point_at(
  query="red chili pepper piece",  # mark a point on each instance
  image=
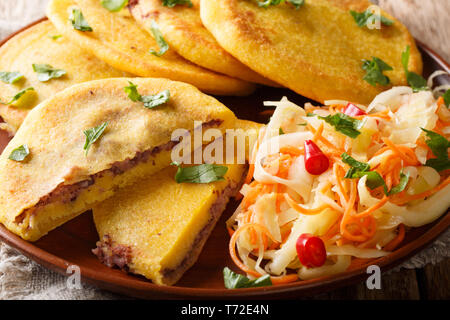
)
(353, 111)
(316, 162)
(311, 251)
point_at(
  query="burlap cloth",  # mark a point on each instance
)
(21, 278)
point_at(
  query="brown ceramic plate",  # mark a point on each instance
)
(71, 244)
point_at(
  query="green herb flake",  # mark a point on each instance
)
(404, 179)
(10, 77)
(163, 46)
(280, 131)
(446, 97)
(114, 5)
(55, 37)
(363, 19)
(354, 164)
(20, 153)
(265, 4)
(18, 95)
(204, 173)
(344, 124)
(92, 135)
(439, 146)
(79, 22)
(46, 72)
(173, 3)
(415, 81)
(150, 101)
(374, 71)
(359, 169)
(233, 280)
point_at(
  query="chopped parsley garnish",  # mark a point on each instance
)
(374, 71)
(93, 135)
(404, 179)
(266, 3)
(415, 81)
(173, 3)
(163, 46)
(364, 18)
(19, 153)
(46, 72)
(150, 101)
(114, 5)
(204, 173)
(10, 77)
(374, 179)
(446, 97)
(354, 164)
(79, 22)
(344, 124)
(439, 146)
(18, 95)
(233, 280)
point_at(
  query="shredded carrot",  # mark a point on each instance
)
(408, 198)
(397, 240)
(407, 154)
(293, 151)
(284, 279)
(232, 246)
(302, 209)
(372, 209)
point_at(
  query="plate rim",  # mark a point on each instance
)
(136, 287)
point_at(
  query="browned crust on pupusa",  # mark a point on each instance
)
(183, 30)
(316, 50)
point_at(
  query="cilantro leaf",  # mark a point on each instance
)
(364, 18)
(173, 3)
(18, 95)
(233, 280)
(354, 164)
(163, 46)
(439, 146)
(280, 131)
(92, 135)
(344, 124)
(79, 22)
(150, 101)
(415, 81)
(404, 179)
(204, 173)
(46, 72)
(360, 169)
(374, 71)
(265, 4)
(19, 153)
(446, 97)
(114, 5)
(10, 77)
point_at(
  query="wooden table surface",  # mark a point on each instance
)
(429, 22)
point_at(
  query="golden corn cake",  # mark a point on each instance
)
(118, 40)
(315, 50)
(183, 29)
(87, 141)
(157, 227)
(42, 44)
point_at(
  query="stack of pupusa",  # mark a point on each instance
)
(59, 178)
